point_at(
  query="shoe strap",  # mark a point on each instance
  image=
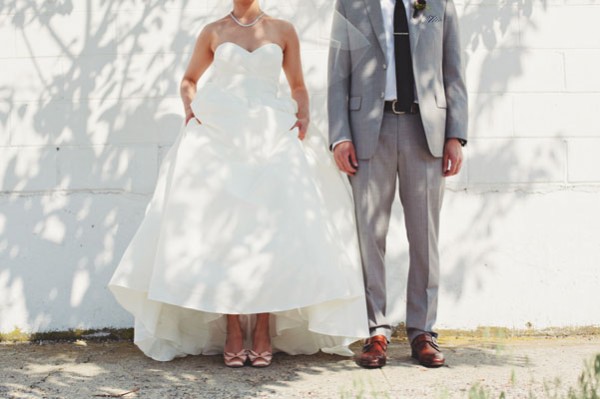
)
(372, 342)
(266, 355)
(229, 356)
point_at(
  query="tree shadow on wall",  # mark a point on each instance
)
(493, 35)
(85, 148)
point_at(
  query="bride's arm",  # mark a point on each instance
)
(292, 66)
(201, 59)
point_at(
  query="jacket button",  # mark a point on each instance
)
(384, 66)
(382, 95)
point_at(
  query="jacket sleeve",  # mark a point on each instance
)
(338, 78)
(453, 75)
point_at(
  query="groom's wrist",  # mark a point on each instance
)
(338, 142)
(462, 142)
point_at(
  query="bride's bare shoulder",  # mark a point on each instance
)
(211, 31)
(284, 29)
(215, 26)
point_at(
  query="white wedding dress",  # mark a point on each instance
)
(245, 219)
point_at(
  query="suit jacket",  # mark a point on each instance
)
(357, 74)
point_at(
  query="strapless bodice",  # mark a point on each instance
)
(245, 83)
(247, 72)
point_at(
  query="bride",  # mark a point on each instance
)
(248, 244)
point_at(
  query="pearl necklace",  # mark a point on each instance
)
(243, 25)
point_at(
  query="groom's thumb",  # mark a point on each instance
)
(353, 157)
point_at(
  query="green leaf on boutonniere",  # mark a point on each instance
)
(420, 5)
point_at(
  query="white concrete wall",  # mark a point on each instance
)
(89, 103)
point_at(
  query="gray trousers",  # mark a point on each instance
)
(402, 156)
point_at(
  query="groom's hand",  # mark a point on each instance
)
(345, 157)
(453, 157)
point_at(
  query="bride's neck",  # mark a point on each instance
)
(246, 10)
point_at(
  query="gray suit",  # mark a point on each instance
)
(402, 148)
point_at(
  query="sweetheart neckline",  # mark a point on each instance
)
(246, 50)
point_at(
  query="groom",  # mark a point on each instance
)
(397, 107)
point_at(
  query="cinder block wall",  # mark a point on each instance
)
(89, 104)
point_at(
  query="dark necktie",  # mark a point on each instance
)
(405, 80)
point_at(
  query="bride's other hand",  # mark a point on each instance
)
(292, 66)
(189, 116)
(201, 59)
(302, 125)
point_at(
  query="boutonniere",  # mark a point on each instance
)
(418, 6)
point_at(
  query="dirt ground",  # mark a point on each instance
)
(476, 368)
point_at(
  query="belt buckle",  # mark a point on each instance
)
(394, 108)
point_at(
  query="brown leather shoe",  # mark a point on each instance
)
(373, 352)
(426, 350)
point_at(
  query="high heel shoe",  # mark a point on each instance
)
(235, 359)
(260, 360)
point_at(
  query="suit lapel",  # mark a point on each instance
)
(374, 11)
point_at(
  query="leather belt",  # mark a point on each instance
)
(390, 106)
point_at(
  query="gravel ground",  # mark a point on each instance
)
(520, 368)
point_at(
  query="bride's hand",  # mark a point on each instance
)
(302, 125)
(189, 116)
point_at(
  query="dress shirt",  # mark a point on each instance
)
(387, 12)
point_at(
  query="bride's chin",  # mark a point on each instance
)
(244, 2)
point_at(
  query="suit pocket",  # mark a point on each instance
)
(354, 103)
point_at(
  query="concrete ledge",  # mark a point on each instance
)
(104, 334)
(120, 334)
(486, 333)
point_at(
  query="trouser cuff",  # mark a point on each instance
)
(382, 331)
